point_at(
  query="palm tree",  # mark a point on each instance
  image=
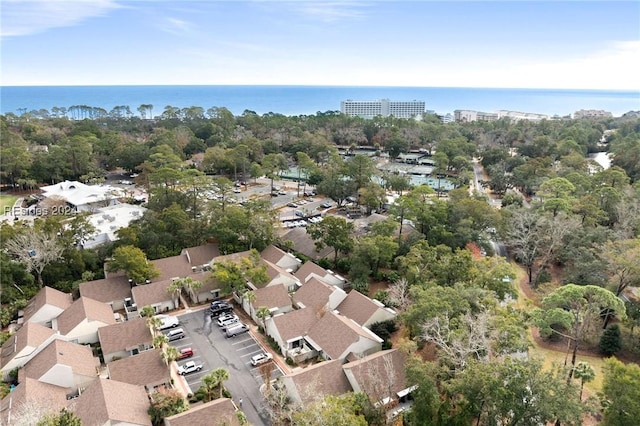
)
(212, 381)
(170, 354)
(160, 341)
(263, 312)
(209, 384)
(585, 373)
(192, 287)
(221, 375)
(249, 297)
(174, 289)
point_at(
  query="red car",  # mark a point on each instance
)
(185, 353)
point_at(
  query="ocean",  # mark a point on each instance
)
(307, 100)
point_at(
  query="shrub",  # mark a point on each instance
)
(361, 285)
(610, 341)
(325, 263)
(382, 296)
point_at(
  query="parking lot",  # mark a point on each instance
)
(214, 350)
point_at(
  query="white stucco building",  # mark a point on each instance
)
(383, 107)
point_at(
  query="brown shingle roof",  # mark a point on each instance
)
(49, 397)
(358, 307)
(107, 290)
(272, 254)
(303, 243)
(79, 357)
(320, 380)
(272, 297)
(144, 369)
(200, 255)
(171, 267)
(307, 270)
(274, 271)
(233, 257)
(296, 323)
(334, 333)
(121, 336)
(47, 296)
(379, 375)
(30, 334)
(81, 309)
(109, 400)
(150, 294)
(314, 294)
(221, 409)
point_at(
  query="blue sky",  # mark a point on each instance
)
(571, 45)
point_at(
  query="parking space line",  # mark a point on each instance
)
(252, 353)
(242, 341)
(248, 347)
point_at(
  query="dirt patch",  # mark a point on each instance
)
(376, 286)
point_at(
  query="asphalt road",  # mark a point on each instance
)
(214, 350)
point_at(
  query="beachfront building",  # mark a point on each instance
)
(467, 116)
(383, 107)
(517, 115)
(592, 113)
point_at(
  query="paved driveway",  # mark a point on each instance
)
(214, 350)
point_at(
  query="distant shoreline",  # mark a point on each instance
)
(308, 100)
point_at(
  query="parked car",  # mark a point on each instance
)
(226, 320)
(185, 353)
(261, 358)
(294, 205)
(299, 213)
(220, 309)
(189, 367)
(326, 205)
(167, 321)
(237, 329)
(175, 334)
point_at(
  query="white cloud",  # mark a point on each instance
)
(26, 17)
(176, 26)
(331, 11)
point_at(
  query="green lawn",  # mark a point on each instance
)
(6, 202)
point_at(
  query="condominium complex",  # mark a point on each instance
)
(592, 113)
(465, 115)
(382, 107)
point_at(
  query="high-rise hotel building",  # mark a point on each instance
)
(383, 107)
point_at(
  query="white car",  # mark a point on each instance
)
(261, 358)
(167, 321)
(225, 320)
(189, 367)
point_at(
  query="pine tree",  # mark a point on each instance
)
(610, 342)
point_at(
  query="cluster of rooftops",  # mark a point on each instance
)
(312, 317)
